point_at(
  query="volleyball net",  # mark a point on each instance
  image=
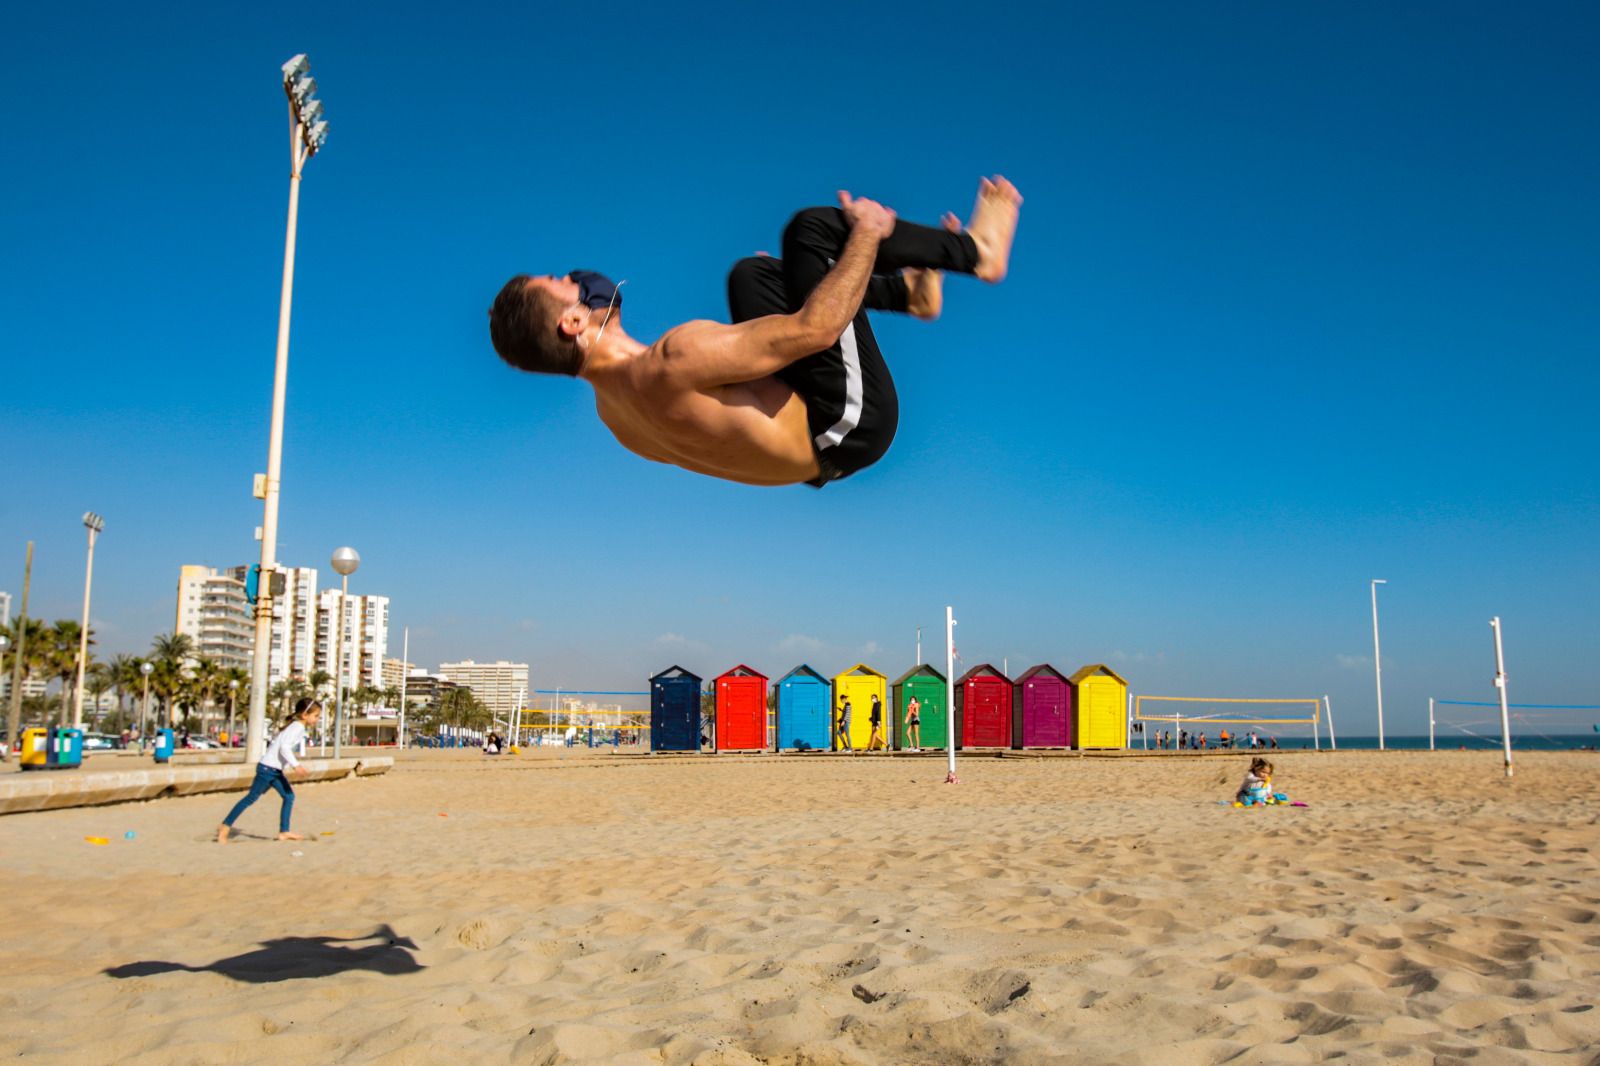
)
(1476, 723)
(1289, 717)
(585, 718)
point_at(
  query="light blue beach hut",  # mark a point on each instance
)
(804, 699)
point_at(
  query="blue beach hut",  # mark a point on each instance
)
(675, 711)
(804, 700)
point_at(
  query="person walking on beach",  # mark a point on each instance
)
(844, 725)
(876, 741)
(914, 725)
(272, 772)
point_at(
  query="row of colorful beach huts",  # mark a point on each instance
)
(1042, 708)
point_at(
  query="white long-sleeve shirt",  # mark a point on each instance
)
(290, 739)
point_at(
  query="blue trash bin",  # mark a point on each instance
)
(64, 750)
(164, 744)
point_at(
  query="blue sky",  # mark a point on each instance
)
(1301, 297)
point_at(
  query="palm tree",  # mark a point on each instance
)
(206, 680)
(167, 681)
(32, 636)
(97, 680)
(121, 672)
(175, 646)
(319, 683)
(280, 694)
(63, 639)
(170, 652)
(235, 679)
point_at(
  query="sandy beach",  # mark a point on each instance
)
(822, 909)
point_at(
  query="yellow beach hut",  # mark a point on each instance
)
(1101, 704)
(860, 683)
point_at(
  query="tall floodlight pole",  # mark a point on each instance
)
(1500, 683)
(94, 524)
(1377, 658)
(919, 645)
(307, 133)
(14, 712)
(405, 670)
(950, 693)
(344, 563)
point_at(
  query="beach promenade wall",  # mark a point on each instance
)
(54, 789)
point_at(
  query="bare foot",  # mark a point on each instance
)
(222, 834)
(993, 225)
(925, 288)
(290, 836)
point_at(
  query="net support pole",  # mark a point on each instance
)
(1500, 683)
(1316, 734)
(950, 692)
(1327, 707)
(1430, 723)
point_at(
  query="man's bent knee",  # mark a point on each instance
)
(814, 220)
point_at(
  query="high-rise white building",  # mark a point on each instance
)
(497, 684)
(365, 636)
(294, 624)
(213, 612)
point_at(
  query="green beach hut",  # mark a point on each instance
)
(928, 686)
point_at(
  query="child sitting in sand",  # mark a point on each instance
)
(1257, 787)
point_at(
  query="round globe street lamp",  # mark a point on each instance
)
(94, 524)
(146, 668)
(344, 562)
(308, 131)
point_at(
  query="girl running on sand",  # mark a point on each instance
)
(272, 772)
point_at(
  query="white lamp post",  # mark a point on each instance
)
(5, 642)
(1377, 659)
(94, 524)
(344, 563)
(233, 697)
(307, 133)
(950, 693)
(145, 668)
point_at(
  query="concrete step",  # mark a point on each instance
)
(44, 790)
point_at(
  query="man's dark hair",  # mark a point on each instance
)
(523, 327)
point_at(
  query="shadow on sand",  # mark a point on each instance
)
(293, 957)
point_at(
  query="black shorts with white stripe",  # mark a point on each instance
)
(851, 405)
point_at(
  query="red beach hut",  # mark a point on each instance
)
(742, 710)
(983, 707)
(1041, 709)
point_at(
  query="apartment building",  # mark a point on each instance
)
(365, 636)
(214, 614)
(497, 684)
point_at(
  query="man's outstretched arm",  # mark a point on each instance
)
(727, 355)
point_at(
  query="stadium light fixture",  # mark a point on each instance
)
(94, 524)
(308, 130)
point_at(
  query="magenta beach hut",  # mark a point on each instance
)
(1041, 709)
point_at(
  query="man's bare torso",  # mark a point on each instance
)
(753, 432)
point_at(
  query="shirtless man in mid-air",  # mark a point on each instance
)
(796, 389)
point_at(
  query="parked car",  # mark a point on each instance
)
(101, 742)
(202, 743)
